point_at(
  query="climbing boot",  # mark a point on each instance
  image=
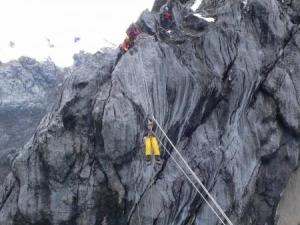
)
(148, 160)
(157, 159)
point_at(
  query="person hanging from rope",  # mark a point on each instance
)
(150, 142)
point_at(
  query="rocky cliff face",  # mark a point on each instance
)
(27, 88)
(227, 93)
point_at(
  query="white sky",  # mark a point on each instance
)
(28, 23)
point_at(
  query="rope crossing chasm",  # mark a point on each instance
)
(194, 174)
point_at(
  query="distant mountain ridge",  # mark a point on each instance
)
(27, 90)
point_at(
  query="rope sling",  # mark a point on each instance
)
(196, 178)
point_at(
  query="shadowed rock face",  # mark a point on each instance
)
(227, 95)
(26, 90)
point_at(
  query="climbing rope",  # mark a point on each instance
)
(138, 207)
(193, 173)
(182, 158)
(149, 105)
(151, 193)
(190, 180)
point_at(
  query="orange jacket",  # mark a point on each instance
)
(126, 44)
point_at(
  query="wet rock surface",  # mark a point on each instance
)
(27, 89)
(227, 93)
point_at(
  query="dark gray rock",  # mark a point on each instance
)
(227, 95)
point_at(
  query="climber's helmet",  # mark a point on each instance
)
(149, 124)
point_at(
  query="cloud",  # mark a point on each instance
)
(28, 22)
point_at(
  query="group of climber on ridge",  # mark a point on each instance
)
(131, 34)
(133, 30)
(150, 140)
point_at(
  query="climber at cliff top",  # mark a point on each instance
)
(150, 142)
(131, 34)
(166, 17)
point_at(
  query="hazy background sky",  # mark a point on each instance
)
(30, 23)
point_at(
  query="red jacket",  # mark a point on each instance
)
(167, 15)
(133, 31)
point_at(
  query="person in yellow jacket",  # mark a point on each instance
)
(150, 142)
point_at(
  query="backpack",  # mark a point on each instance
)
(167, 15)
(132, 31)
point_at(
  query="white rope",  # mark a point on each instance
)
(138, 206)
(189, 179)
(151, 193)
(149, 106)
(193, 173)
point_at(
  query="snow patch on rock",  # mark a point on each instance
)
(196, 5)
(208, 19)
